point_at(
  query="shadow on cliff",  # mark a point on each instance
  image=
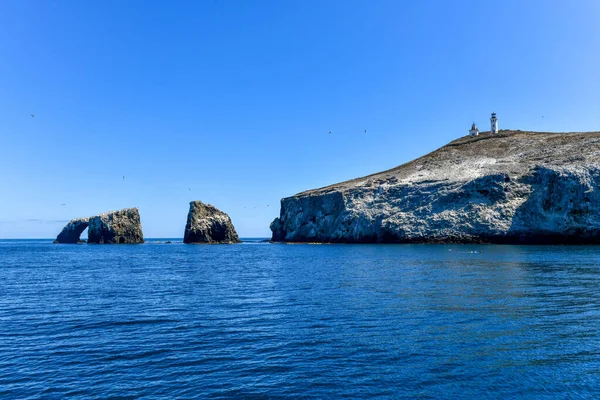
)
(71, 233)
(562, 208)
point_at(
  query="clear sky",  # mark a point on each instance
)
(231, 102)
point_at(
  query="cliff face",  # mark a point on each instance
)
(207, 224)
(122, 226)
(513, 187)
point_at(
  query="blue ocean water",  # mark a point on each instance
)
(260, 320)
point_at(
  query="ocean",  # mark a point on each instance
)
(259, 320)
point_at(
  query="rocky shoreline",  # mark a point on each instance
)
(205, 224)
(511, 187)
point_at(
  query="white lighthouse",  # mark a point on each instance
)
(494, 122)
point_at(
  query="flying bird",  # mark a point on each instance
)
(123, 177)
(330, 132)
(63, 204)
(32, 115)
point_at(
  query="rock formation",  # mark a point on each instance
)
(207, 224)
(122, 226)
(72, 231)
(512, 187)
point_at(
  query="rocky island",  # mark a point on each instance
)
(207, 224)
(122, 226)
(506, 187)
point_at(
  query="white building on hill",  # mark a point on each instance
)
(473, 131)
(494, 126)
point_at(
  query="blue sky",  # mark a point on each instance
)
(231, 102)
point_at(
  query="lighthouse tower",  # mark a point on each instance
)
(494, 122)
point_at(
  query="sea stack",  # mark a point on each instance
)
(115, 227)
(506, 187)
(207, 224)
(122, 226)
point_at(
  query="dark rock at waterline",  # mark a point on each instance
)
(207, 224)
(72, 231)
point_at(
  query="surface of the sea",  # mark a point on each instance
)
(260, 320)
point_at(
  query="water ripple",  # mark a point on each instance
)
(269, 321)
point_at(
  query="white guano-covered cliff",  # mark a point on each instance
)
(513, 187)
